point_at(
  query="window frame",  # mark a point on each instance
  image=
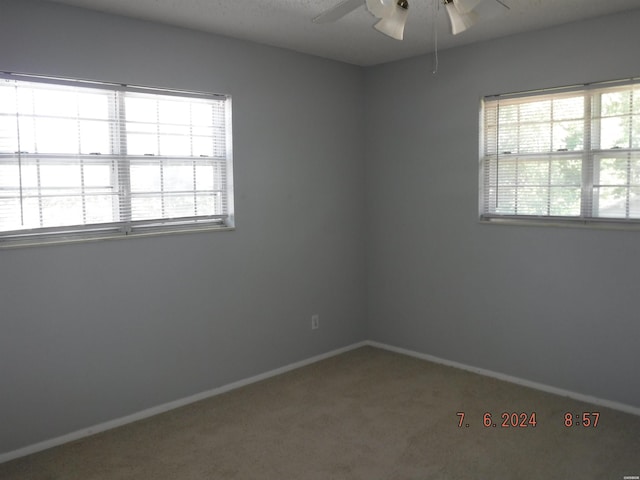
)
(121, 162)
(591, 152)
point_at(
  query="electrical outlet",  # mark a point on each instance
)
(315, 322)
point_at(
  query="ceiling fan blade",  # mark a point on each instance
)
(490, 9)
(339, 11)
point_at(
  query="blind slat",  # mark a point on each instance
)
(73, 156)
(570, 154)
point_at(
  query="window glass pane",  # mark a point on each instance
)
(49, 120)
(539, 111)
(612, 202)
(31, 212)
(617, 184)
(141, 109)
(201, 114)
(26, 140)
(508, 139)
(174, 112)
(533, 172)
(524, 174)
(533, 200)
(9, 174)
(204, 177)
(566, 172)
(202, 147)
(61, 210)
(9, 211)
(176, 128)
(94, 137)
(93, 105)
(568, 135)
(146, 177)
(219, 177)
(173, 129)
(540, 186)
(70, 171)
(535, 137)
(174, 145)
(505, 200)
(146, 207)
(634, 202)
(100, 209)
(614, 132)
(634, 170)
(54, 102)
(616, 103)
(613, 171)
(8, 134)
(571, 108)
(635, 141)
(30, 173)
(543, 126)
(25, 99)
(208, 204)
(142, 144)
(178, 177)
(204, 132)
(508, 114)
(8, 97)
(179, 206)
(60, 176)
(134, 128)
(56, 135)
(565, 201)
(97, 175)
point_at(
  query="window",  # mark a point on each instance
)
(570, 154)
(80, 159)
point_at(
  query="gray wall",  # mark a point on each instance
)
(97, 331)
(93, 332)
(552, 305)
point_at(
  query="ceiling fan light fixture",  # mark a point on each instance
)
(466, 6)
(459, 21)
(393, 24)
(380, 8)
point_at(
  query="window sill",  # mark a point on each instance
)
(609, 224)
(40, 242)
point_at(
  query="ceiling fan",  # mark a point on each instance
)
(393, 14)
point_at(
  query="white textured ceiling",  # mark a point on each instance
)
(287, 23)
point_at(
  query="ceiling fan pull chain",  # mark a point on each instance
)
(436, 7)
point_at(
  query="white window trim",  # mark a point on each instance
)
(586, 219)
(125, 227)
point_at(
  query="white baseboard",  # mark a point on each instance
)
(54, 442)
(85, 432)
(508, 378)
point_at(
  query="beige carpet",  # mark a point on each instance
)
(368, 414)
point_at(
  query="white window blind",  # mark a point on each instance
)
(571, 154)
(80, 159)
